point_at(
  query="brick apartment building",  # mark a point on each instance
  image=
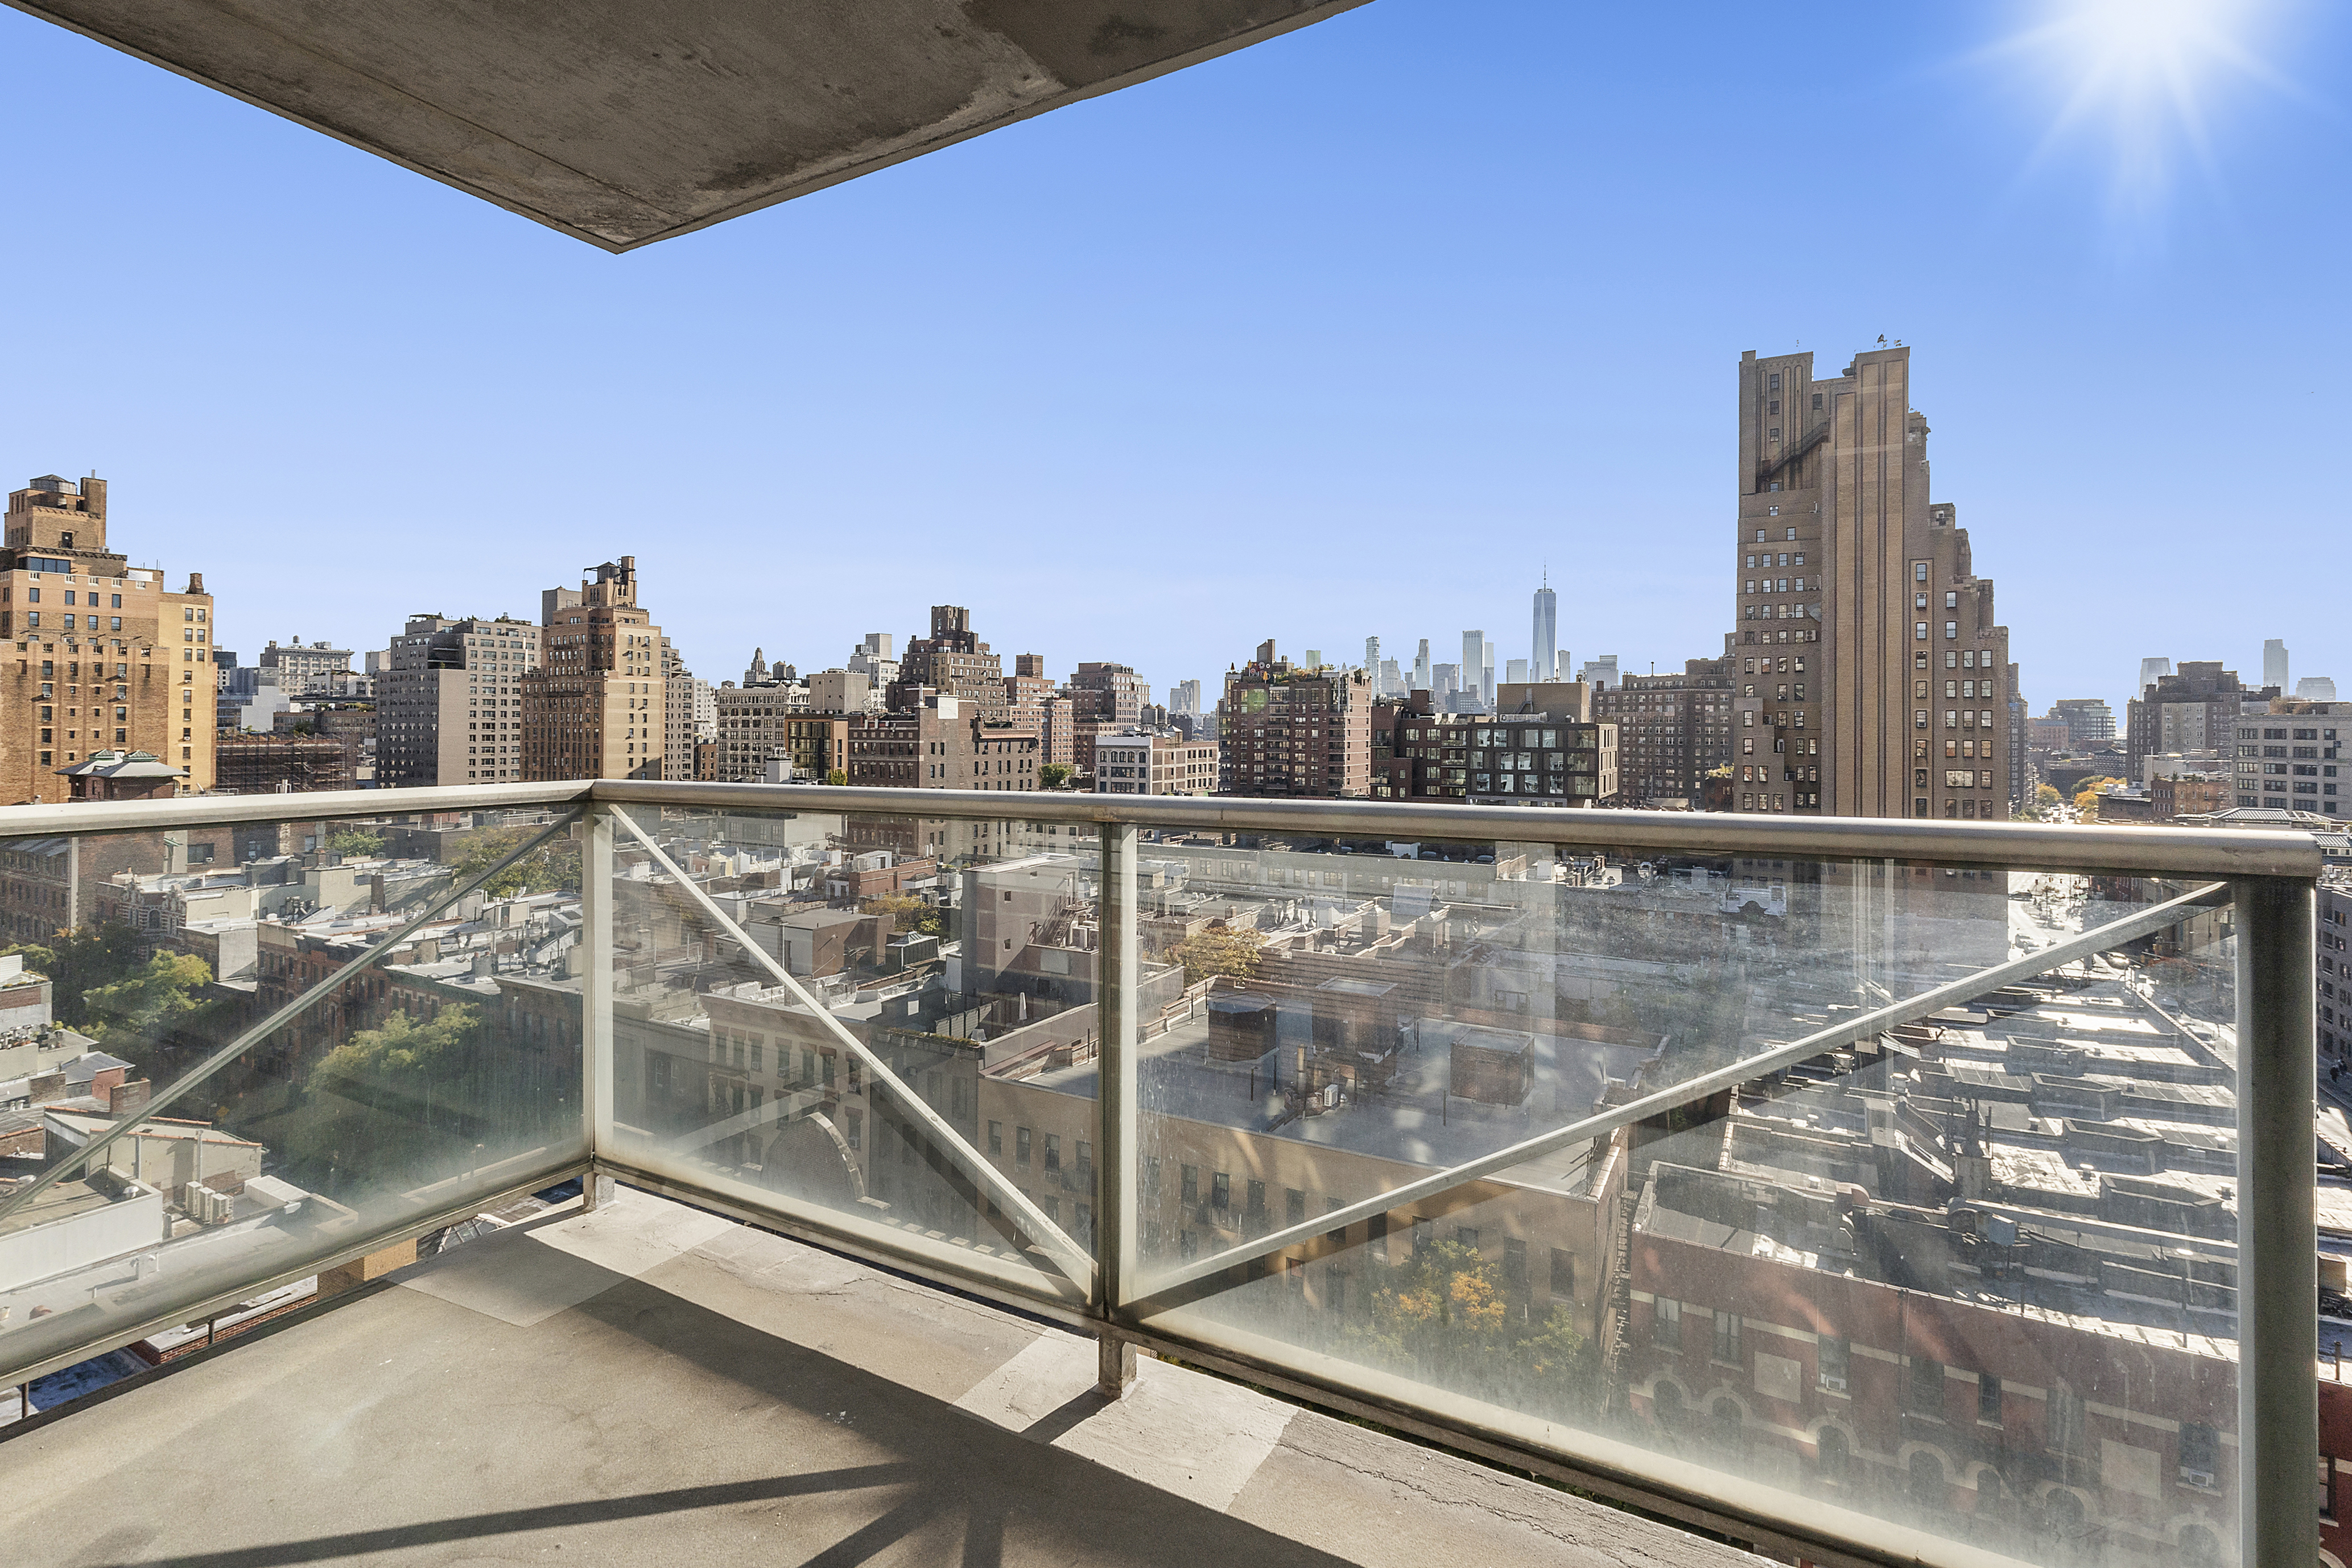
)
(2296, 759)
(597, 706)
(2192, 710)
(305, 668)
(1286, 729)
(1144, 763)
(951, 661)
(942, 744)
(1109, 692)
(1875, 678)
(96, 667)
(1509, 758)
(1672, 729)
(449, 701)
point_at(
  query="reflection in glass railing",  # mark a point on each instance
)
(220, 1070)
(1892, 1200)
(822, 1013)
(1967, 1275)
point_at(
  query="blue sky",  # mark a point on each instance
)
(1348, 334)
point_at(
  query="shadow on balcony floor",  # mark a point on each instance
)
(651, 1383)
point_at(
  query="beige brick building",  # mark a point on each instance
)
(449, 705)
(597, 706)
(1874, 678)
(104, 659)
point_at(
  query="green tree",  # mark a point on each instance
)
(553, 867)
(355, 843)
(1446, 1316)
(1216, 949)
(904, 911)
(389, 1095)
(2046, 795)
(149, 1005)
(80, 962)
(2087, 795)
(838, 776)
(1053, 776)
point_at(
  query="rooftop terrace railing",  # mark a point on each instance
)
(1871, 1190)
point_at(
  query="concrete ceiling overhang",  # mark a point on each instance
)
(626, 121)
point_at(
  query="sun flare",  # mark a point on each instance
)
(2145, 79)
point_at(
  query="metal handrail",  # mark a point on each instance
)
(2184, 852)
(2128, 850)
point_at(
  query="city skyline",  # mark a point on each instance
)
(543, 388)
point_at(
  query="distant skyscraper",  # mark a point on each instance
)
(2316, 689)
(2089, 721)
(1561, 665)
(1547, 639)
(1474, 661)
(1601, 672)
(1314, 658)
(1444, 680)
(2274, 664)
(1373, 658)
(1516, 672)
(2151, 671)
(1421, 667)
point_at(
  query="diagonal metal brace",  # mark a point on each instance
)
(2155, 917)
(1074, 1260)
(245, 1042)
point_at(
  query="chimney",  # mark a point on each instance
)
(125, 1098)
(196, 582)
(49, 1086)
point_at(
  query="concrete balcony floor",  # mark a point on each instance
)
(650, 1383)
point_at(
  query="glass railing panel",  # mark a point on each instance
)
(894, 1040)
(1961, 1288)
(138, 996)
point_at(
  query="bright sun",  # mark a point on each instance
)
(2145, 78)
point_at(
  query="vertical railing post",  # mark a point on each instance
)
(596, 997)
(1115, 1208)
(2278, 1270)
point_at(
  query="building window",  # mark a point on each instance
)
(1924, 1390)
(2199, 1453)
(1727, 1338)
(1666, 1323)
(1829, 1362)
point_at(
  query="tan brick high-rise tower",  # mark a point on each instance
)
(101, 657)
(596, 707)
(1872, 677)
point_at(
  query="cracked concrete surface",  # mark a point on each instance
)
(650, 1383)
